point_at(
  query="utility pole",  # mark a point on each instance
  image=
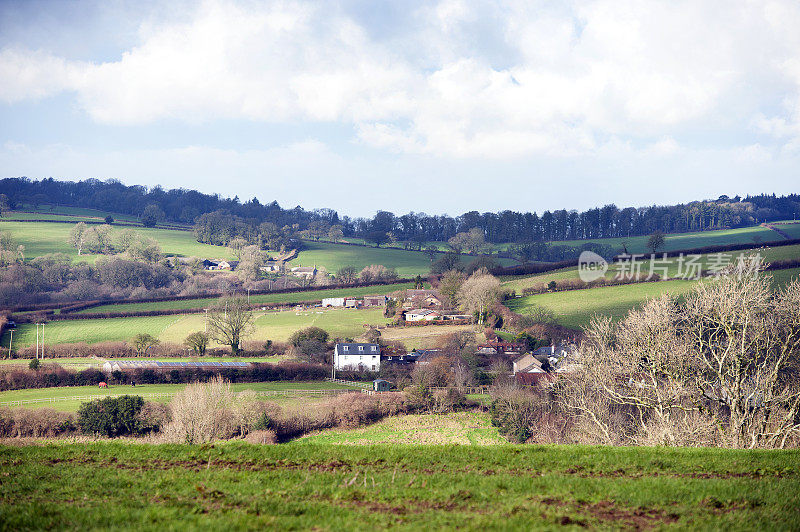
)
(248, 296)
(37, 341)
(10, 339)
(206, 319)
(42, 341)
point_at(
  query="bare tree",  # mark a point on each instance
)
(478, 293)
(230, 321)
(720, 368)
(77, 236)
(746, 343)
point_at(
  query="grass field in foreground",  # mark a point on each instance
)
(259, 299)
(462, 428)
(78, 391)
(40, 238)
(333, 487)
(269, 325)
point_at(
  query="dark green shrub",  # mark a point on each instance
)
(34, 364)
(112, 416)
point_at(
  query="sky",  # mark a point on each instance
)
(435, 107)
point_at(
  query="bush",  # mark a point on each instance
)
(35, 422)
(202, 412)
(34, 364)
(262, 437)
(112, 416)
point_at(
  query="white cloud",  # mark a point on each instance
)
(574, 78)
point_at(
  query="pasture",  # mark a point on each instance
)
(334, 256)
(123, 485)
(256, 299)
(670, 268)
(460, 428)
(41, 238)
(676, 241)
(61, 212)
(270, 325)
(575, 308)
(60, 396)
(425, 337)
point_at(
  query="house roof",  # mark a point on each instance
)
(310, 269)
(414, 292)
(352, 348)
(423, 312)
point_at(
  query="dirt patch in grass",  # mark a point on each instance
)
(608, 512)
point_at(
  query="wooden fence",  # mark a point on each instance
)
(350, 383)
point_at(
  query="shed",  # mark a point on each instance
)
(380, 385)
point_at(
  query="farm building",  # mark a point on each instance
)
(495, 348)
(130, 365)
(351, 302)
(333, 302)
(422, 315)
(425, 356)
(217, 264)
(528, 364)
(304, 271)
(375, 301)
(380, 385)
(424, 299)
(355, 356)
(399, 358)
(271, 266)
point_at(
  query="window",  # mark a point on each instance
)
(373, 367)
(374, 348)
(361, 348)
(346, 348)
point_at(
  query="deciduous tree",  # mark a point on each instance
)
(230, 321)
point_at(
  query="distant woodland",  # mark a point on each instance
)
(226, 218)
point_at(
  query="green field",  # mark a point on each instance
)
(88, 361)
(126, 486)
(462, 428)
(40, 238)
(259, 299)
(269, 325)
(334, 256)
(674, 269)
(60, 212)
(143, 390)
(675, 241)
(575, 308)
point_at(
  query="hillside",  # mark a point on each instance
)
(175, 328)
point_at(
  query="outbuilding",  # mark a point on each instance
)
(380, 385)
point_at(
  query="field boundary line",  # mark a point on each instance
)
(160, 395)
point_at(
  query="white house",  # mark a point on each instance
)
(304, 271)
(333, 302)
(424, 314)
(358, 357)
